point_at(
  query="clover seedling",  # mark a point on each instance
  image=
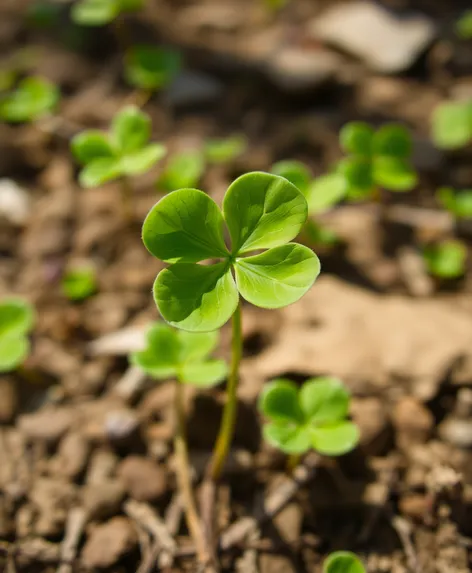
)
(34, 98)
(446, 260)
(459, 203)
(312, 417)
(183, 169)
(452, 124)
(220, 151)
(263, 212)
(101, 12)
(172, 353)
(150, 67)
(16, 321)
(464, 26)
(343, 562)
(376, 159)
(122, 152)
(79, 283)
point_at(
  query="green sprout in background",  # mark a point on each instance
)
(262, 212)
(458, 203)
(34, 98)
(122, 152)
(376, 159)
(310, 417)
(183, 170)
(225, 150)
(80, 282)
(452, 124)
(464, 26)
(447, 259)
(343, 562)
(16, 321)
(101, 12)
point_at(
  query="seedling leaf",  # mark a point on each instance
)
(324, 400)
(151, 67)
(225, 150)
(94, 12)
(325, 191)
(359, 177)
(34, 97)
(161, 357)
(195, 346)
(79, 283)
(278, 277)
(140, 161)
(334, 440)
(295, 171)
(100, 171)
(452, 124)
(204, 374)
(278, 401)
(343, 562)
(289, 438)
(263, 211)
(130, 129)
(458, 203)
(393, 140)
(394, 174)
(183, 170)
(356, 137)
(447, 259)
(464, 25)
(16, 317)
(185, 226)
(13, 351)
(90, 145)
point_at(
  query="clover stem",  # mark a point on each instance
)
(184, 480)
(292, 462)
(127, 198)
(228, 421)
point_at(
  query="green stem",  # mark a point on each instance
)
(127, 199)
(292, 462)
(228, 421)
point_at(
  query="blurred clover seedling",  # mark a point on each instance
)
(262, 212)
(464, 26)
(312, 417)
(101, 12)
(447, 259)
(343, 562)
(452, 124)
(183, 170)
(151, 68)
(172, 353)
(376, 159)
(458, 203)
(78, 283)
(34, 98)
(122, 152)
(225, 150)
(16, 321)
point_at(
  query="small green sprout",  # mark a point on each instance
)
(183, 170)
(101, 12)
(376, 159)
(343, 562)
(16, 321)
(452, 124)
(34, 98)
(447, 259)
(459, 203)
(151, 67)
(225, 150)
(172, 353)
(464, 26)
(123, 152)
(78, 283)
(312, 417)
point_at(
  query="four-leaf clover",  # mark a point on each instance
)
(16, 320)
(124, 151)
(313, 417)
(183, 355)
(262, 211)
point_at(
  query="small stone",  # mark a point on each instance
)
(383, 41)
(371, 417)
(412, 421)
(72, 455)
(457, 431)
(121, 424)
(8, 401)
(103, 500)
(144, 479)
(193, 89)
(14, 202)
(414, 505)
(48, 425)
(108, 543)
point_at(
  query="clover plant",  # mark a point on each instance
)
(101, 12)
(447, 259)
(263, 212)
(225, 150)
(151, 67)
(122, 152)
(452, 124)
(376, 159)
(79, 282)
(34, 98)
(459, 203)
(312, 417)
(464, 26)
(343, 562)
(16, 321)
(183, 169)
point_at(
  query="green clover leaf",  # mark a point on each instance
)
(79, 282)
(452, 124)
(151, 67)
(261, 211)
(183, 170)
(464, 25)
(123, 151)
(311, 417)
(343, 562)
(356, 138)
(33, 98)
(183, 355)
(447, 259)
(16, 320)
(459, 203)
(101, 12)
(225, 150)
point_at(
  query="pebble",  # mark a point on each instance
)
(15, 203)
(412, 421)
(108, 542)
(144, 479)
(457, 431)
(385, 42)
(48, 425)
(72, 455)
(371, 417)
(103, 500)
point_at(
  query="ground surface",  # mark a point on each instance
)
(86, 472)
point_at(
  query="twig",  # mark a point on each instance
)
(174, 514)
(403, 529)
(76, 521)
(130, 383)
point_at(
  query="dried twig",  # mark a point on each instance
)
(76, 521)
(403, 529)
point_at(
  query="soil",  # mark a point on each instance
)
(87, 470)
